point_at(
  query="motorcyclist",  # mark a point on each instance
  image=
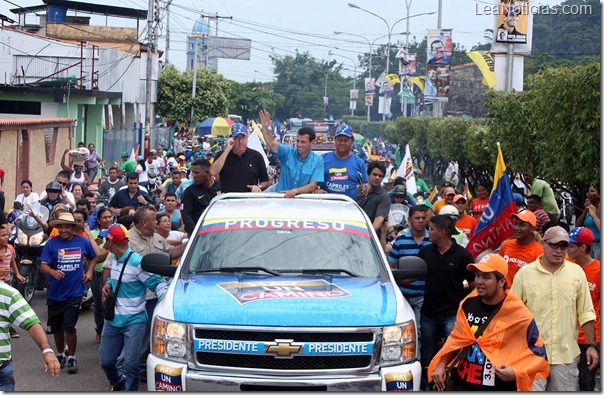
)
(53, 195)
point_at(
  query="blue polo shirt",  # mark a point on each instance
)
(296, 172)
(405, 245)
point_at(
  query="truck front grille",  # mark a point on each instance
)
(295, 363)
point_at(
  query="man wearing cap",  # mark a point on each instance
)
(110, 185)
(522, 248)
(419, 182)
(194, 153)
(239, 168)
(465, 222)
(182, 162)
(62, 260)
(448, 195)
(126, 330)
(129, 164)
(581, 239)
(495, 342)
(447, 269)
(557, 293)
(343, 171)
(301, 169)
(130, 196)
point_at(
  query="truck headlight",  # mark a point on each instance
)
(169, 339)
(398, 344)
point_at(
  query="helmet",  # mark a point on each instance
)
(53, 186)
(399, 190)
(449, 210)
(14, 215)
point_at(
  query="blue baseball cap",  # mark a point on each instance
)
(238, 129)
(344, 130)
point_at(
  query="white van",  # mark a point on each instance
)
(283, 294)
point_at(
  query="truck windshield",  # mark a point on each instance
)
(291, 251)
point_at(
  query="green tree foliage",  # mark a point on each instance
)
(301, 81)
(248, 99)
(174, 97)
(563, 40)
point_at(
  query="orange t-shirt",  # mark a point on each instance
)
(438, 205)
(478, 206)
(592, 272)
(467, 224)
(517, 256)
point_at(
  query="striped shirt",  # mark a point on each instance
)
(13, 309)
(405, 245)
(130, 305)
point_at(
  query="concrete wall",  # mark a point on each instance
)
(40, 172)
(467, 94)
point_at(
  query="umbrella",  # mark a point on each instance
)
(215, 126)
(359, 139)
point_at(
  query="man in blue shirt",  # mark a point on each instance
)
(409, 243)
(130, 196)
(63, 262)
(301, 169)
(343, 171)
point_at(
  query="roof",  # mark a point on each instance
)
(274, 206)
(34, 121)
(98, 9)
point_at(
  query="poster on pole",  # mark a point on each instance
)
(437, 83)
(354, 94)
(440, 46)
(408, 65)
(369, 99)
(512, 22)
(369, 86)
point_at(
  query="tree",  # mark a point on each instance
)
(248, 99)
(174, 99)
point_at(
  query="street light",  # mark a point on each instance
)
(354, 81)
(351, 5)
(270, 78)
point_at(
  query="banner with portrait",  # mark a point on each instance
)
(440, 46)
(408, 65)
(437, 83)
(369, 86)
(354, 94)
(369, 99)
(512, 22)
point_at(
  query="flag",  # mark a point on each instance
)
(406, 170)
(433, 195)
(495, 224)
(254, 143)
(484, 61)
(258, 131)
(466, 190)
(419, 81)
(393, 79)
(397, 156)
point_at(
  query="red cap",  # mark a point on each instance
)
(117, 233)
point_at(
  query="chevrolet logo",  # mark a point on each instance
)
(283, 348)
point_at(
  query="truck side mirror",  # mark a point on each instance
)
(158, 263)
(410, 267)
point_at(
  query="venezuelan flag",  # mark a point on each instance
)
(495, 224)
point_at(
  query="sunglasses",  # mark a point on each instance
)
(62, 183)
(562, 246)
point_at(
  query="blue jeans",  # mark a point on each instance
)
(113, 339)
(433, 329)
(5, 384)
(95, 285)
(416, 303)
(146, 348)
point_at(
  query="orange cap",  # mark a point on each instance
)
(490, 263)
(526, 216)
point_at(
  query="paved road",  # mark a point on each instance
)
(29, 373)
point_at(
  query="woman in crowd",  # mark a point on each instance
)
(28, 197)
(480, 201)
(590, 218)
(92, 162)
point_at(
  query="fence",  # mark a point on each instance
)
(117, 141)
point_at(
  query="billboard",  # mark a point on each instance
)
(440, 46)
(512, 22)
(229, 48)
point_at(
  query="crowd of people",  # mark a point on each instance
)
(525, 316)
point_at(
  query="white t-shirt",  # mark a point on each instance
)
(142, 174)
(27, 201)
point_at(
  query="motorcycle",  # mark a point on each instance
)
(29, 242)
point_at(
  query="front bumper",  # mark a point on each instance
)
(164, 375)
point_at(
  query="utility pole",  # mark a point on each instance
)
(438, 105)
(217, 18)
(168, 31)
(148, 82)
(195, 65)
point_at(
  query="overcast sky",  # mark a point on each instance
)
(282, 26)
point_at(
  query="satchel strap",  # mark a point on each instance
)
(119, 281)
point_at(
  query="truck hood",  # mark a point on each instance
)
(301, 301)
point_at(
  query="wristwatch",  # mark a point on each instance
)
(594, 345)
